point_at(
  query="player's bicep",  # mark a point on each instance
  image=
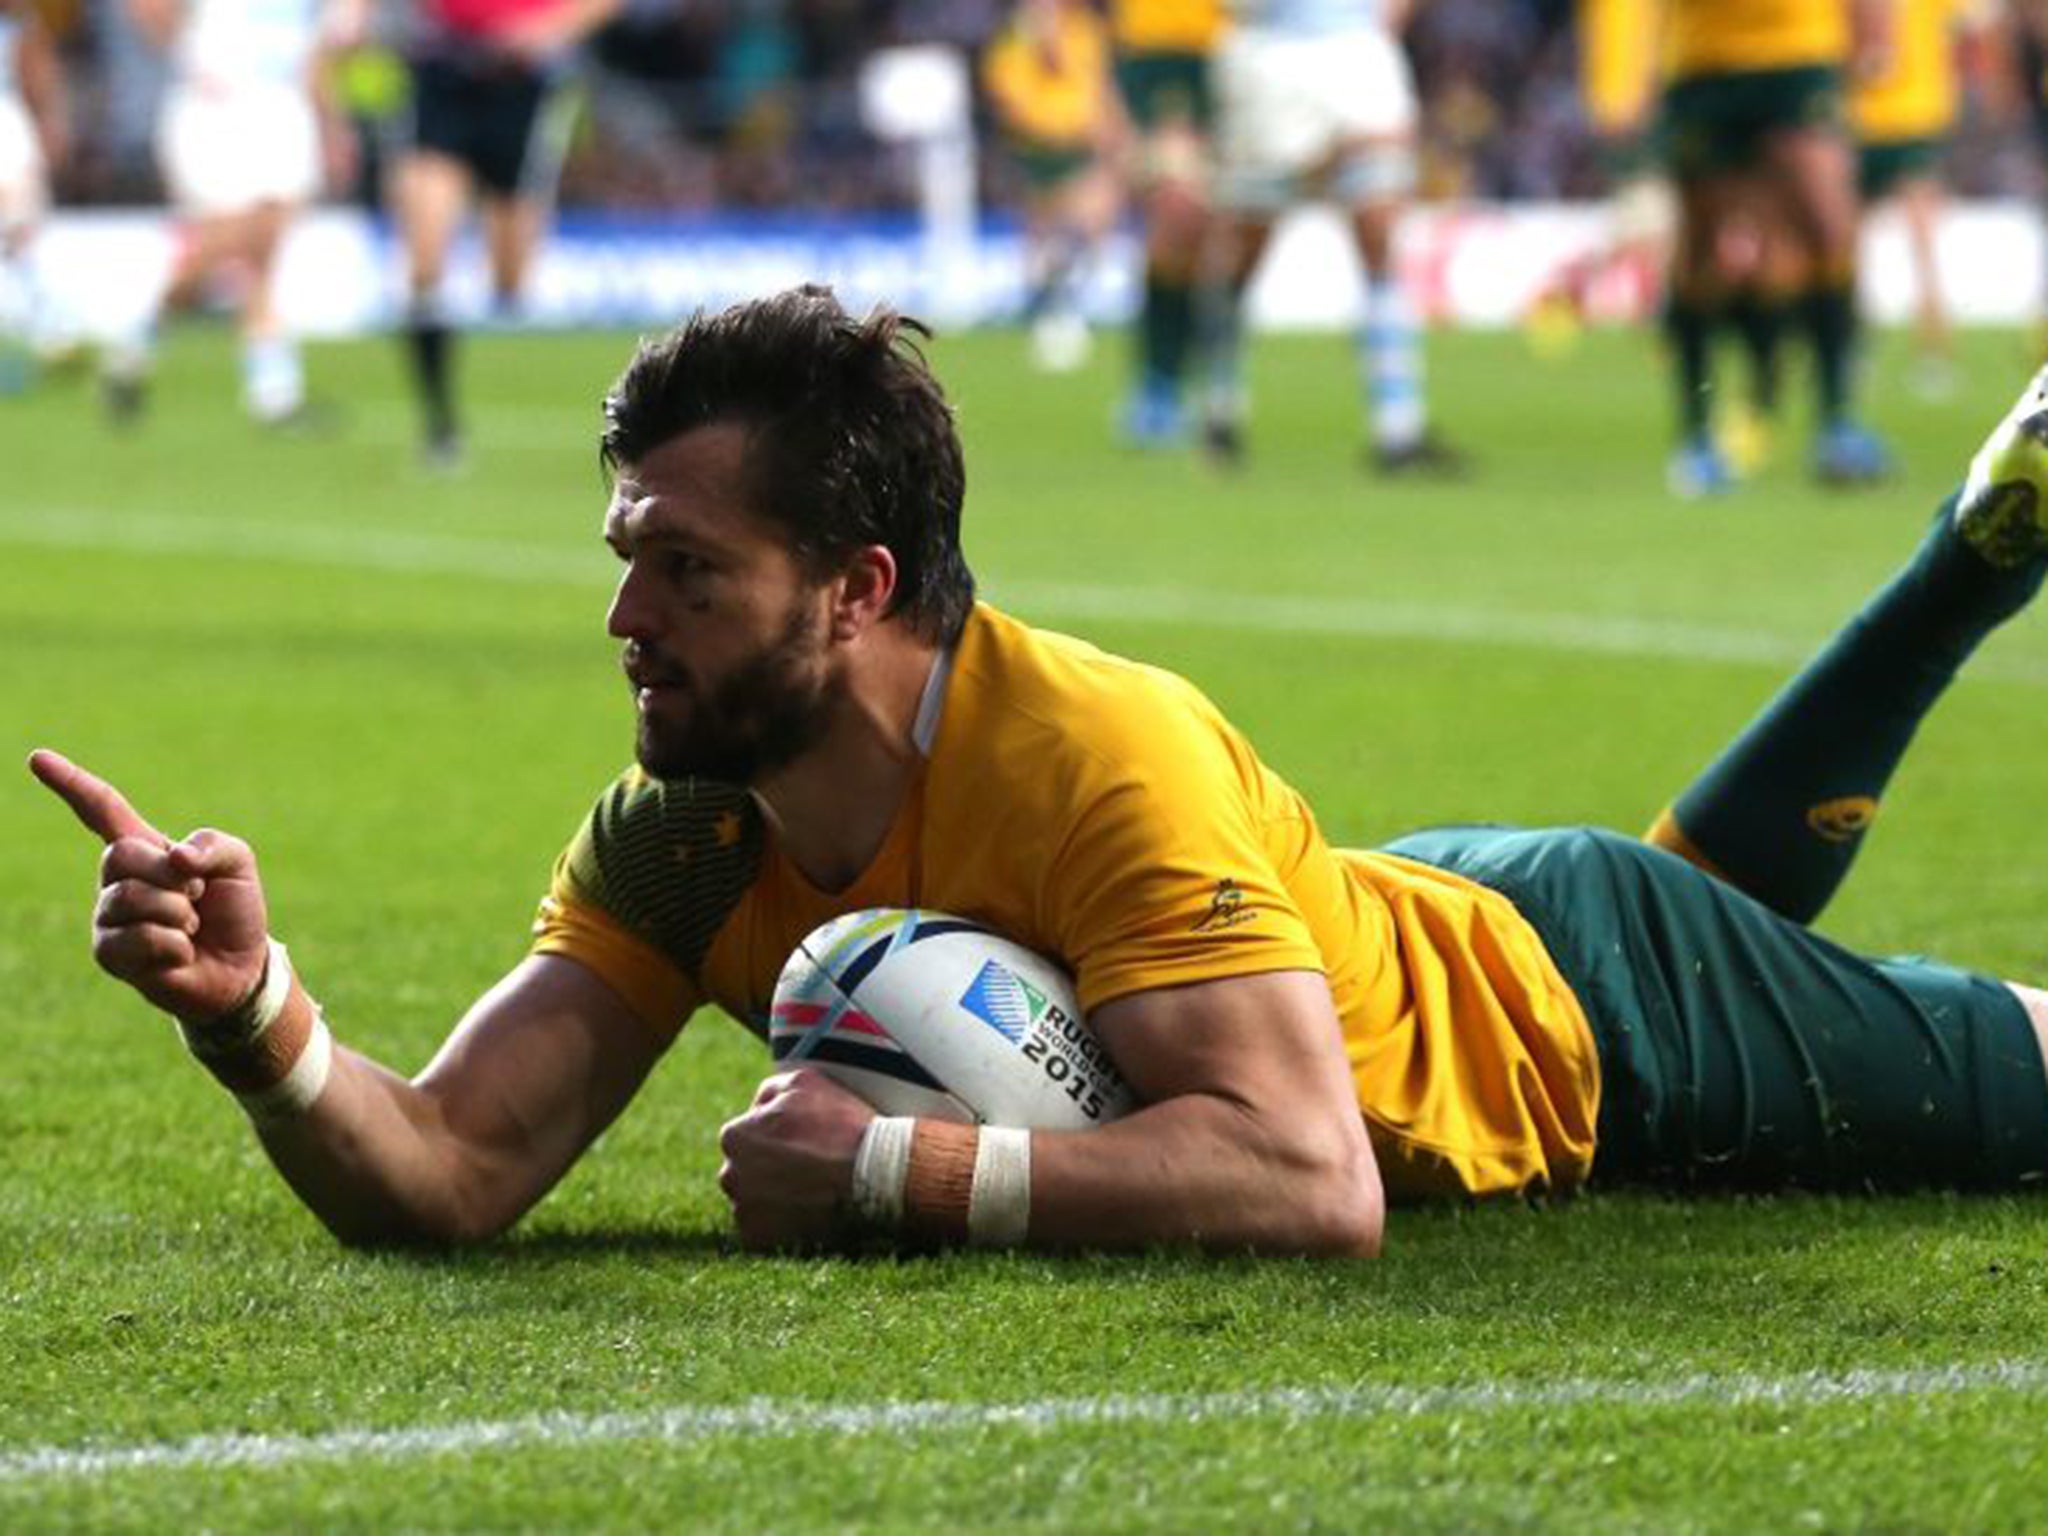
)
(1249, 1134)
(538, 1067)
(1265, 1039)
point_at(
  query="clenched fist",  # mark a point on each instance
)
(789, 1161)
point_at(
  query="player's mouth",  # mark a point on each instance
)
(651, 683)
(650, 694)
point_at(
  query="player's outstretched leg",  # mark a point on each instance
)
(1782, 812)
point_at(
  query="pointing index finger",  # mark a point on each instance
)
(103, 809)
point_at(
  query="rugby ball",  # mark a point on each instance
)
(924, 1014)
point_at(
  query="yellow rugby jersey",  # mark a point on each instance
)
(1618, 42)
(1916, 96)
(1104, 813)
(1166, 26)
(1722, 36)
(1052, 90)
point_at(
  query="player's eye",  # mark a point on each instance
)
(681, 565)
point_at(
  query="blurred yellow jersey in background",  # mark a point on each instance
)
(1709, 37)
(1052, 89)
(1166, 26)
(1618, 49)
(1918, 95)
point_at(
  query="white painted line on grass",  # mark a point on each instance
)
(767, 1418)
(1377, 619)
(427, 554)
(364, 549)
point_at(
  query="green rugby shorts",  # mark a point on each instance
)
(1046, 165)
(1739, 1049)
(1881, 166)
(1161, 87)
(1718, 122)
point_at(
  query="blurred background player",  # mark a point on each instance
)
(1617, 46)
(1903, 113)
(2030, 50)
(32, 142)
(1315, 100)
(1048, 77)
(491, 123)
(1162, 72)
(247, 134)
(1755, 134)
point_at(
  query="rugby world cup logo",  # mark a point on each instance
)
(1005, 1001)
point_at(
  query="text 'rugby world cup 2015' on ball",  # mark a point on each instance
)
(924, 1014)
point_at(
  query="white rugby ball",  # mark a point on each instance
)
(924, 1014)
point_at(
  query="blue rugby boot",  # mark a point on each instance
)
(1698, 470)
(1846, 454)
(1152, 417)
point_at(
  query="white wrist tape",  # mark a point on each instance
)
(235, 1031)
(295, 1092)
(272, 1075)
(999, 1211)
(277, 986)
(881, 1169)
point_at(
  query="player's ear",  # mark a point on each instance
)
(865, 589)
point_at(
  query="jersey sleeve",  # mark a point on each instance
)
(1166, 875)
(650, 878)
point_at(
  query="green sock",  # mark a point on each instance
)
(1782, 812)
(1759, 320)
(1062, 256)
(1166, 328)
(1689, 326)
(1829, 313)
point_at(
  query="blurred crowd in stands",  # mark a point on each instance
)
(700, 105)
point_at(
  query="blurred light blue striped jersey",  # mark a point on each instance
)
(1309, 18)
(248, 42)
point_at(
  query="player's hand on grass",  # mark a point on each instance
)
(788, 1167)
(180, 920)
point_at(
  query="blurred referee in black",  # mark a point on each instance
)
(490, 124)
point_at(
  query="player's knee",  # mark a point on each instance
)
(1666, 833)
(2035, 1001)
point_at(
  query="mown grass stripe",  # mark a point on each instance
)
(770, 1419)
(1290, 615)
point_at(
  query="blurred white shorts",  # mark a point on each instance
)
(24, 190)
(1297, 115)
(228, 150)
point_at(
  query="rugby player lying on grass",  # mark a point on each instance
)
(828, 721)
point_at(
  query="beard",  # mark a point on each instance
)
(766, 711)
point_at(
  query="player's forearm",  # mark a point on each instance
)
(1871, 38)
(1199, 1169)
(42, 91)
(375, 1161)
(375, 1157)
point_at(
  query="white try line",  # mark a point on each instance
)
(771, 1419)
(444, 555)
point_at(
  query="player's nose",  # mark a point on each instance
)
(631, 614)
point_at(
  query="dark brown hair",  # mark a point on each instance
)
(850, 440)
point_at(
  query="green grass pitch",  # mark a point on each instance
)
(400, 691)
